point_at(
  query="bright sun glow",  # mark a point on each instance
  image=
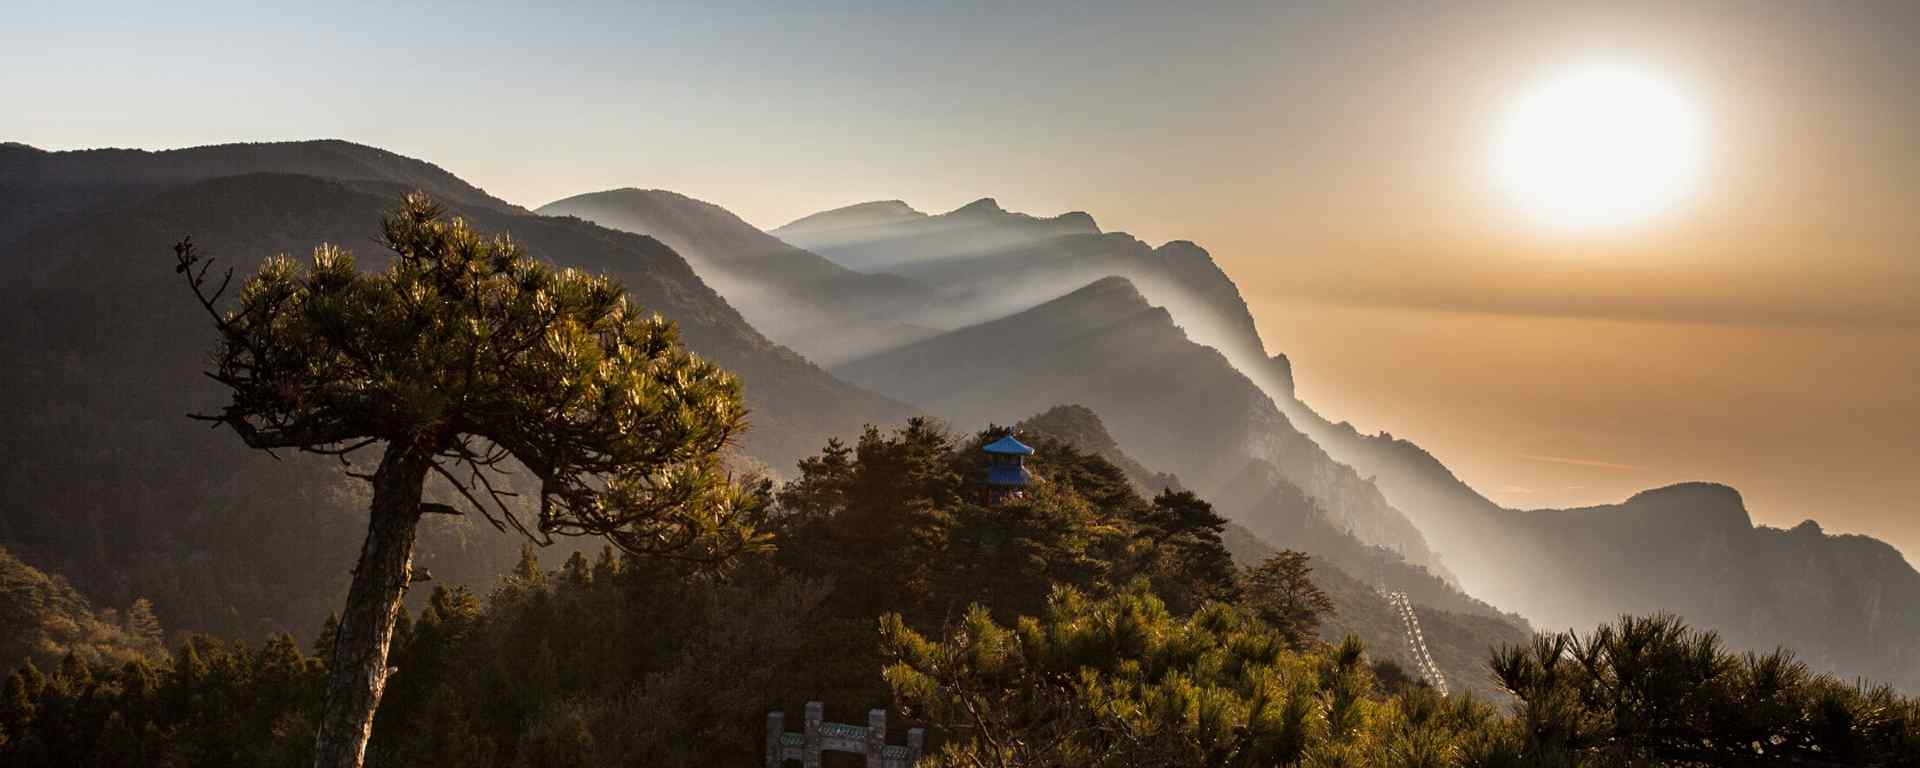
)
(1599, 148)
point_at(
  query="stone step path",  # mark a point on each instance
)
(1417, 641)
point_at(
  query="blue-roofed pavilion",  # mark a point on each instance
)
(1007, 474)
(1007, 446)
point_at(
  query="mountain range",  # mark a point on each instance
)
(1031, 313)
(977, 315)
(114, 488)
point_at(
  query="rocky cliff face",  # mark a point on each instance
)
(1846, 604)
(1177, 405)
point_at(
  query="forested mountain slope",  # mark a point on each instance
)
(1832, 592)
(43, 619)
(1177, 405)
(1459, 629)
(111, 484)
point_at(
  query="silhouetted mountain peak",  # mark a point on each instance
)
(1697, 508)
(1078, 221)
(868, 214)
(981, 206)
(1282, 372)
(1183, 251)
(1109, 288)
(895, 207)
(1694, 495)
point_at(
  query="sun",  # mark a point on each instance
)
(1599, 147)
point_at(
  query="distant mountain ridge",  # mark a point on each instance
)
(1176, 404)
(1459, 630)
(897, 239)
(38, 186)
(827, 312)
(988, 262)
(94, 338)
(113, 487)
(1514, 559)
(819, 227)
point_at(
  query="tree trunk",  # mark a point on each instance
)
(359, 669)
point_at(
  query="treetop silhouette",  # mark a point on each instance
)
(467, 358)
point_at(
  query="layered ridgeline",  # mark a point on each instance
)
(1846, 603)
(109, 484)
(1457, 635)
(38, 187)
(1849, 604)
(1210, 419)
(987, 262)
(1177, 405)
(823, 310)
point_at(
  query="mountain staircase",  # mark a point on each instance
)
(1417, 641)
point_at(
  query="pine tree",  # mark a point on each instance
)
(187, 686)
(1281, 592)
(118, 745)
(606, 566)
(144, 625)
(139, 688)
(527, 571)
(329, 634)
(75, 675)
(576, 573)
(1114, 682)
(463, 354)
(16, 706)
(34, 679)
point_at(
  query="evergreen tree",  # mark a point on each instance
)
(576, 573)
(463, 355)
(145, 626)
(1282, 593)
(16, 707)
(75, 674)
(30, 674)
(606, 566)
(526, 572)
(118, 745)
(1651, 690)
(1122, 681)
(329, 633)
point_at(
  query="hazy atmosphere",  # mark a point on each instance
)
(1763, 332)
(941, 385)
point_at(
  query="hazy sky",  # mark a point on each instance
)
(1333, 156)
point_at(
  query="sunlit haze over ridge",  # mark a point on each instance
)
(1737, 301)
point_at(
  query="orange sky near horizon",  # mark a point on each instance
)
(1536, 411)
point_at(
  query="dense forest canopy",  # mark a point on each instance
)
(1087, 624)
